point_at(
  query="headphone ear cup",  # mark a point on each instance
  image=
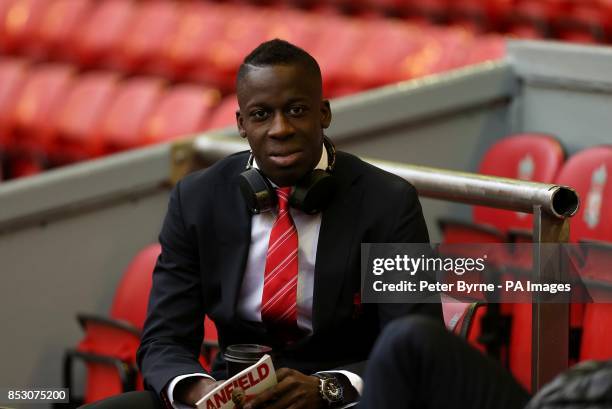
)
(257, 191)
(313, 193)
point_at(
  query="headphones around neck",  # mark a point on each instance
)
(311, 194)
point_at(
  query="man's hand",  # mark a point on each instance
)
(191, 390)
(293, 391)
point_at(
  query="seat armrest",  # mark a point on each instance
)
(84, 319)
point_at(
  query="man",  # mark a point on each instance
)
(287, 278)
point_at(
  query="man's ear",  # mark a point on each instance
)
(241, 129)
(326, 115)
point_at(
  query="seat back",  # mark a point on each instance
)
(37, 105)
(590, 173)
(13, 72)
(151, 27)
(529, 156)
(181, 110)
(58, 24)
(86, 103)
(132, 294)
(225, 113)
(122, 124)
(18, 27)
(199, 23)
(100, 34)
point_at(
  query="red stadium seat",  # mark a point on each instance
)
(529, 156)
(210, 346)
(19, 24)
(151, 27)
(225, 114)
(590, 173)
(12, 76)
(245, 28)
(57, 26)
(536, 18)
(78, 120)
(13, 72)
(122, 124)
(535, 157)
(4, 7)
(374, 65)
(586, 171)
(596, 337)
(132, 294)
(97, 41)
(199, 23)
(297, 27)
(33, 115)
(464, 319)
(110, 344)
(181, 110)
(584, 23)
(346, 35)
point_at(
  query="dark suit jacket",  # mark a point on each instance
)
(205, 242)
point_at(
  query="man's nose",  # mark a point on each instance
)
(280, 126)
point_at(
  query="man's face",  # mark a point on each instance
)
(283, 115)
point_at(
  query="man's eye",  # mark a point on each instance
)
(297, 110)
(259, 115)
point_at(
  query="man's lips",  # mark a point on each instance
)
(283, 159)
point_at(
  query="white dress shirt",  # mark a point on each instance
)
(251, 291)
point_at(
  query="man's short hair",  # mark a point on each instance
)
(278, 52)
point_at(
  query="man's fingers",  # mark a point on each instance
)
(283, 373)
(285, 383)
(283, 402)
(239, 398)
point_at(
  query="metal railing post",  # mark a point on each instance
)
(550, 321)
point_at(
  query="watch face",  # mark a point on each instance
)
(332, 390)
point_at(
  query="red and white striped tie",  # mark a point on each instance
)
(278, 303)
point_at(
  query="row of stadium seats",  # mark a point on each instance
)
(570, 20)
(59, 48)
(50, 23)
(539, 157)
(50, 114)
(205, 42)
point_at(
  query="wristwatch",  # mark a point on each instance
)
(330, 389)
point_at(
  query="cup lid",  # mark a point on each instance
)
(247, 351)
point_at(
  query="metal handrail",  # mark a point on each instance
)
(471, 188)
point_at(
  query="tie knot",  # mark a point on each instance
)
(283, 197)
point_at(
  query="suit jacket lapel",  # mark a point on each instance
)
(335, 244)
(233, 227)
